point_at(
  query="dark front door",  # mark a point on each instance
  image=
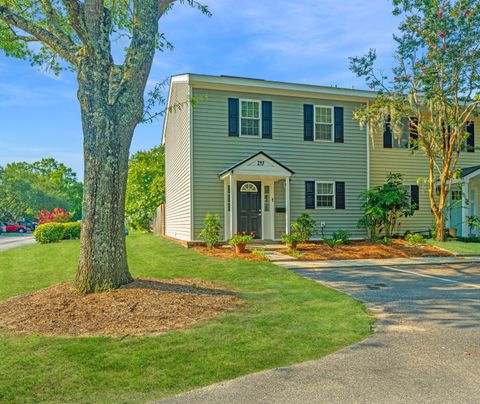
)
(249, 207)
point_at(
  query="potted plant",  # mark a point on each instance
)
(292, 239)
(239, 241)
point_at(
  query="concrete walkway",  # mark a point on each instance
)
(294, 263)
(9, 242)
(426, 347)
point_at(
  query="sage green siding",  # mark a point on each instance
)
(413, 166)
(177, 166)
(214, 151)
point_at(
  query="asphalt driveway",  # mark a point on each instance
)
(426, 347)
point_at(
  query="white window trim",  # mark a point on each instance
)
(334, 206)
(332, 137)
(260, 134)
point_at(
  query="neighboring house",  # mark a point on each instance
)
(260, 153)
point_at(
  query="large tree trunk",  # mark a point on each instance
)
(108, 129)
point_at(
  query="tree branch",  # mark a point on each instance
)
(74, 10)
(66, 51)
(52, 15)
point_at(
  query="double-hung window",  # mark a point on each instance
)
(324, 123)
(250, 118)
(325, 195)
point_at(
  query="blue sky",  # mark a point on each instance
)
(286, 40)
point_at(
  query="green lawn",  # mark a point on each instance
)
(286, 320)
(457, 247)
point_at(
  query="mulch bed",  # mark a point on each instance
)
(144, 307)
(228, 253)
(368, 250)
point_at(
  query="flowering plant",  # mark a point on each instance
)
(241, 238)
(59, 215)
(292, 237)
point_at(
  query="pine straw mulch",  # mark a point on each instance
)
(367, 250)
(228, 253)
(144, 307)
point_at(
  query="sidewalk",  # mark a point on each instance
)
(292, 261)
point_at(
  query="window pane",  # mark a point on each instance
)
(323, 115)
(250, 109)
(324, 201)
(324, 188)
(401, 134)
(323, 131)
(267, 198)
(250, 127)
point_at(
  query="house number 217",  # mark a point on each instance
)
(260, 163)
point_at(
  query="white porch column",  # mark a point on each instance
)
(465, 209)
(233, 207)
(287, 205)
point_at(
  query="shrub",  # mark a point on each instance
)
(71, 231)
(49, 232)
(414, 238)
(292, 238)
(59, 215)
(343, 235)
(384, 205)
(305, 225)
(211, 231)
(331, 242)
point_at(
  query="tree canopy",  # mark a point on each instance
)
(434, 84)
(28, 188)
(145, 187)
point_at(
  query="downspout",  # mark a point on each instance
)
(368, 149)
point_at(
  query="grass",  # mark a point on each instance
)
(287, 319)
(457, 247)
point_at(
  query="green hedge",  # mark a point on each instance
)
(53, 232)
(71, 231)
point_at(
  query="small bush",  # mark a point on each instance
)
(71, 231)
(331, 242)
(49, 232)
(305, 225)
(414, 239)
(211, 231)
(343, 235)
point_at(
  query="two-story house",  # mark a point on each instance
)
(260, 153)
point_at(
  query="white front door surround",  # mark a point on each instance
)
(257, 168)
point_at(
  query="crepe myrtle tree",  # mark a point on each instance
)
(78, 35)
(434, 87)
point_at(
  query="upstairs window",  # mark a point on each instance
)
(249, 118)
(324, 123)
(325, 195)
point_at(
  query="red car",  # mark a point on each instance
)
(15, 228)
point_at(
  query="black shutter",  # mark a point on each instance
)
(308, 122)
(309, 194)
(233, 117)
(471, 139)
(412, 127)
(338, 118)
(414, 195)
(267, 119)
(339, 195)
(387, 134)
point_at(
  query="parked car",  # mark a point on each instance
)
(16, 228)
(30, 225)
(3, 228)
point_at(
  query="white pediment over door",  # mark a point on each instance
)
(259, 164)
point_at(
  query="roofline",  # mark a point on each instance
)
(252, 157)
(204, 79)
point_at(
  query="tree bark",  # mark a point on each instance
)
(108, 129)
